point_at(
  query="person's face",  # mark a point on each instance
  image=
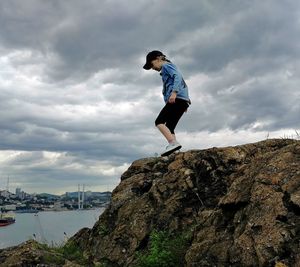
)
(156, 64)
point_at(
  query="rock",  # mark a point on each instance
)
(241, 205)
(29, 253)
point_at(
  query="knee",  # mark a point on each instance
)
(158, 121)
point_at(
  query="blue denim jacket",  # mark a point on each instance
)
(173, 82)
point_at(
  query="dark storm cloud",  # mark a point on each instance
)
(79, 38)
(72, 83)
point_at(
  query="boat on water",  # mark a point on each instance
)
(6, 219)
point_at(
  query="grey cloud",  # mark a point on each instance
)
(71, 78)
(263, 29)
(33, 171)
(239, 104)
(89, 36)
(80, 38)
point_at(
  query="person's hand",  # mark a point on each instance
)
(172, 97)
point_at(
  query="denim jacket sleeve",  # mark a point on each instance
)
(176, 77)
(173, 82)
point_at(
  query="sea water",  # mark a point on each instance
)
(50, 227)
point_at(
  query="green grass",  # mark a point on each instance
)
(72, 252)
(103, 230)
(58, 254)
(165, 250)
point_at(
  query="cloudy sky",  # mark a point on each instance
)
(77, 107)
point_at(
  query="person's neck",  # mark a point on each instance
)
(163, 62)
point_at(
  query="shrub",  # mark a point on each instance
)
(166, 250)
(72, 252)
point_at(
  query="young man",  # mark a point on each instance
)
(176, 97)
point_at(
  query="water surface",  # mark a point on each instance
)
(47, 227)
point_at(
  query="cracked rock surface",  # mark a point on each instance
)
(241, 203)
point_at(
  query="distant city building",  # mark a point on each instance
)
(88, 193)
(43, 202)
(4, 193)
(57, 205)
(18, 192)
(9, 207)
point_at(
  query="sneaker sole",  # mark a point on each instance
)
(171, 151)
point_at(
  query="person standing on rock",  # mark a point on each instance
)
(176, 97)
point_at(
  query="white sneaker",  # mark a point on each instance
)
(171, 148)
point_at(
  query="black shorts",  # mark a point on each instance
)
(171, 114)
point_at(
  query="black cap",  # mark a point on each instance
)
(151, 56)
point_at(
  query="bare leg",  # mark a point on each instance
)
(166, 133)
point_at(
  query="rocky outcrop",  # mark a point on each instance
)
(30, 254)
(241, 205)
